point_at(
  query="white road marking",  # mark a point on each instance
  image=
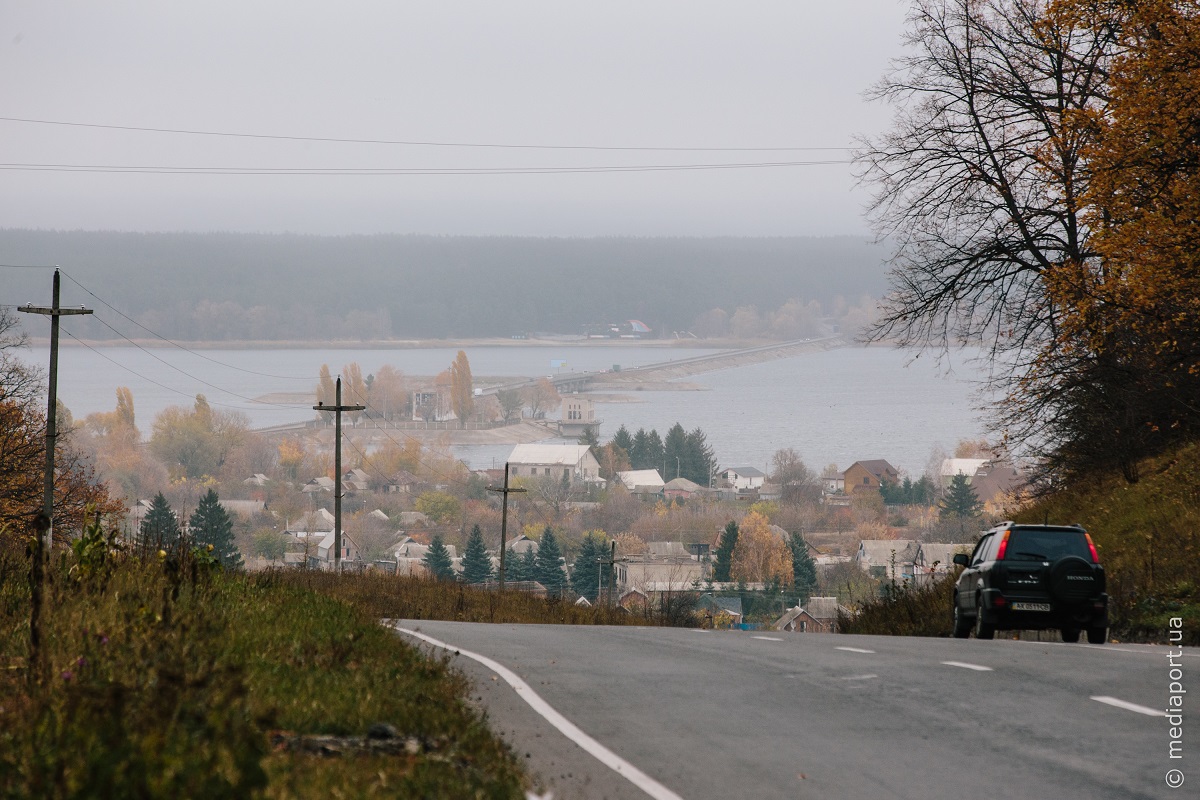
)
(769, 638)
(854, 650)
(860, 677)
(965, 665)
(1112, 701)
(602, 754)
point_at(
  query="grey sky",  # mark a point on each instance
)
(645, 73)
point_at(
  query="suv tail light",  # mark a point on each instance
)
(1004, 546)
(1092, 547)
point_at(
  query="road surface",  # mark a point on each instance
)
(722, 714)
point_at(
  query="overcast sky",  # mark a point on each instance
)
(668, 74)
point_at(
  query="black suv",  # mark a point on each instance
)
(1032, 577)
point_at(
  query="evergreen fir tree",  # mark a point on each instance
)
(476, 563)
(160, 528)
(723, 558)
(623, 440)
(210, 524)
(590, 437)
(804, 571)
(586, 572)
(522, 567)
(960, 502)
(437, 560)
(675, 453)
(550, 572)
(700, 465)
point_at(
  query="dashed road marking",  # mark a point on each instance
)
(602, 754)
(965, 665)
(855, 650)
(1112, 701)
(769, 638)
(868, 676)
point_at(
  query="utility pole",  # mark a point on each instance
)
(505, 491)
(54, 312)
(337, 408)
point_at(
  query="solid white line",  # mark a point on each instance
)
(1112, 701)
(854, 650)
(768, 638)
(605, 756)
(965, 665)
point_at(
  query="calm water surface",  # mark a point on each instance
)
(837, 406)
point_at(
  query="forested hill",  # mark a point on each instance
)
(221, 286)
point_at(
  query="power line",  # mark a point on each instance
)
(187, 374)
(172, 342)
(404, 171)
(410, 142)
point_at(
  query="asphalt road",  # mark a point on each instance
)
(717, 714)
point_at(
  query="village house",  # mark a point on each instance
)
(743, 478)
(889, 559)
(869, 476)
(819, 615)
(681, 489)
(655, 575)
(575, 462)
(934, 559)
(642, 482)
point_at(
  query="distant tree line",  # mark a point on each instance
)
(266, 287)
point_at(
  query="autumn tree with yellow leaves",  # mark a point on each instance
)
(760, 556)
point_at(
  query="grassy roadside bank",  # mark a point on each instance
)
(165, 678)
(1148, 537)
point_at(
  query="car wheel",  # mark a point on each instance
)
(1070, 635)
(983, 630)
(1097, 635)
(962, 625)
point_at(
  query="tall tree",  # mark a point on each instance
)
(550, 571)
(623, 439)
(541, 397)
(437, 560)
(723, 557)
(586, 574)
(160, 527)
(476, 563)
(979, 182)
(701, 461)
(462, 388)
(760, 556)
(521, 567)
(355, 391)
(804, 569)
(675, 453)
(1127, 355)
(194, 444)
(387, 395)
(511, 403)
(326, 389)
(961, 501)
(210, 525)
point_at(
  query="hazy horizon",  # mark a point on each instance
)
(537, 119)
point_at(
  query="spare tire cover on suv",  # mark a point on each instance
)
(1072, 580)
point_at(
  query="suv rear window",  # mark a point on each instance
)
(1039, 545)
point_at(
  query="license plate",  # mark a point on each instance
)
(1030, 606)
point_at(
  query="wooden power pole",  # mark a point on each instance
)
(46, 537)
(505, 491)
(337, 408)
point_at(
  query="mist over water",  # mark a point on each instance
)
(836, 406)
